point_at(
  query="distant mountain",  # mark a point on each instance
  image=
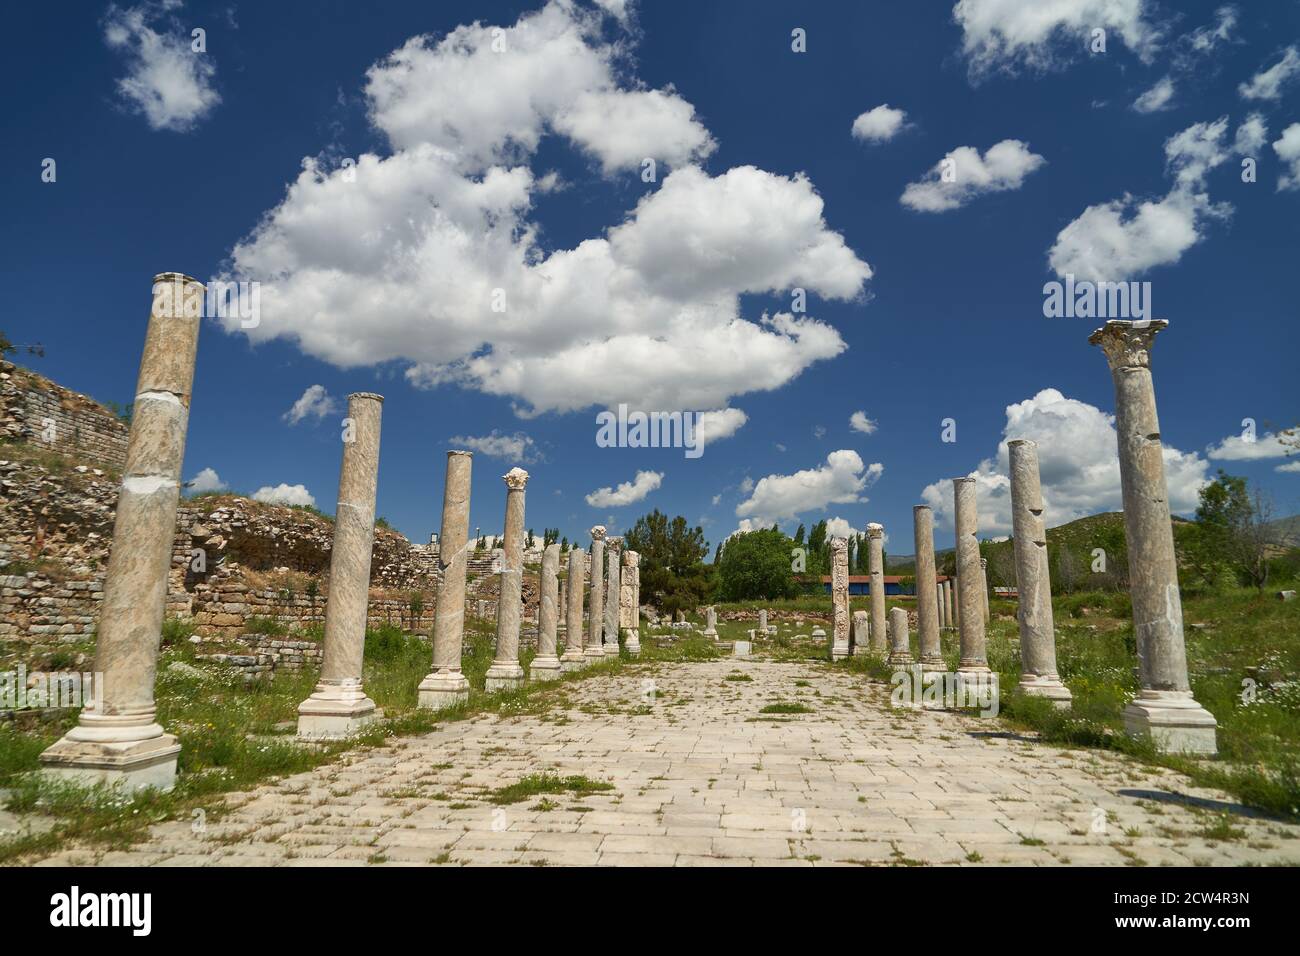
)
(1285, 531)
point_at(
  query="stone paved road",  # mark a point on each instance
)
(701, 778)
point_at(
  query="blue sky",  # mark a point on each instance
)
(168, 159)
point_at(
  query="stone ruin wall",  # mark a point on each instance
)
(35, 410)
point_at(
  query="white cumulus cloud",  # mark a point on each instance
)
(1268, 84)
(315, 402)
(205, 480)
(1238, 448)
(1116, 240)
(719, 424)
(517, 447)
(1288, 151)
(879, 124)
(859, 422)
(1159, 97)
(627, 492)
(963, 174)
(1078, 462)
(283, 494)
(1007, 34)
(403, 257)
(841, 480)
(166, 80)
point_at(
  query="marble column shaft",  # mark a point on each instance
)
(629, 617)
(970, 618)
(876, 567)
(613, 575)
(546, 663)
(573, 649)
(596, 606)
(927, 611)
(1164, 708)
(900, 650)
(339, 707)
(446, 684)
(506, 672)
(1033, 581)
(119, 741)
(984, 586)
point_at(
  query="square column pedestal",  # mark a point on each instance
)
(114, 751)
(335, 711)
(1173, 721)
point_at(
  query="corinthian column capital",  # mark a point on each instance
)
(1127, 344)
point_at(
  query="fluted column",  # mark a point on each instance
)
(546, 665)
(876, 567)
(839, 599)
(339, 706)
(628, 615)
(446, 685)
(596, 610)
(927, 611)
(1164, 709)
(506, 673)
(900, 649)
(613, 552)
(970, 619)
(119, 741)
(1033, 584)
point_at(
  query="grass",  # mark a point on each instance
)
(541, 783)
(783, 707)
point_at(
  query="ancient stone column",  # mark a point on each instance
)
(938, 604)
(970, 617)
(859, 634)
(1033, 583)
(118, 741)
(948, 604)
(711, 623)
(546, 665)
(339, 707)
(900, 650)
(876, 567)
(445, 685)
(1164, 709)
(613, 549)
(573, 656)
(839, 599)
(984, 586)
(596, 609)
(506, 672)
(927, 611)
(762, 621)
(628, 615)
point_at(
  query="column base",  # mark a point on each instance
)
(572, 659)
(443, 689)
(143, 755)
(1173, 721)
(840, 652)
(1048, 686)
(742, 648)
(594, 652)
(610, 649)
(504, 675)
(861, 650)
(901, 660)
(545, 668)
(335, 711)
(711, 632)
(632, 641)
(932, 664)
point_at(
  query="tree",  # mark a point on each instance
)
(756, 566)
(1231, 536)
(674, 576)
